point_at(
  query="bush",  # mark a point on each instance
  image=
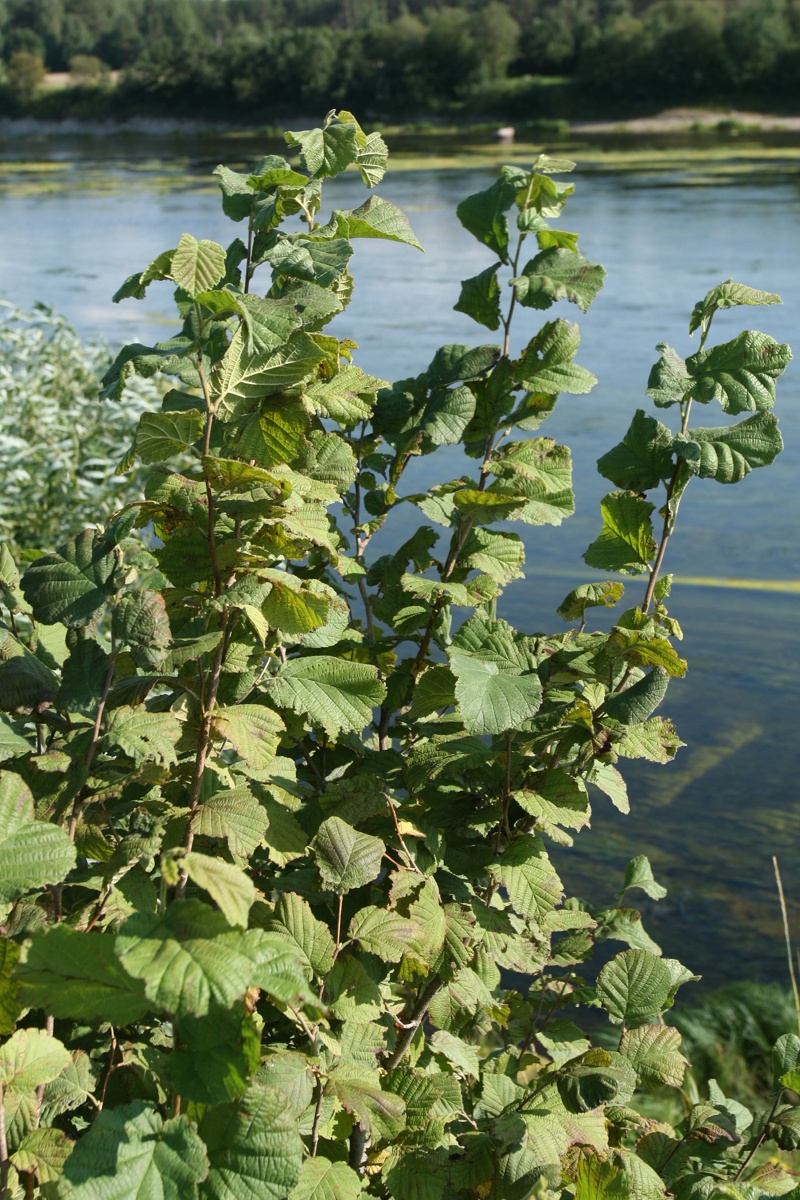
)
(280, 916)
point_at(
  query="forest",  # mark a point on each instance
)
(397, 59)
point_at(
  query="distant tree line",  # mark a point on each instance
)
(400, 58)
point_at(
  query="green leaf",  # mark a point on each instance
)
(160, 435)
(136, 285)
(608, 779)
(334, 693)
(728, 295)
(455, 363)
(252, 730)
(372, 159)
(739, 374)
(70, 973)
(601, 1179)
(72, 584)
(655, 740)
(637, 986)
(558, 798)
(31, 1058)
(490, 700)
(626, 542)
(244, 377)
(144, 736)
(557, 274)
(254, 1149)
(483, 215)
(321, 1179)
(730, 453)
(387, 934)
(589, 595)
(639, 874)
(383, 1114)
(643, 458)
(227, 885)
(275, 434)
(347, 398)
(140, 621)
(500, 555)
(328, 151)
(346, 858)
(547, 365)
(480, 298)
(633, 646)
(190, 959)
(215, 1056)
(540, 460)
(42, 1153)
(375, 218)
(294, 920)
(131, 1151)
(456, 1051)
(669, 381)
(653, 1050)
(234, 815)
(12, 743)
(526, 872)
(636, 703)
(197, 266)
(32, 853)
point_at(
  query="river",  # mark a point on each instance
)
(76, 219)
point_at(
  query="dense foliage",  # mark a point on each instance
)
(56, 441)
(250, 59)
(279, 916)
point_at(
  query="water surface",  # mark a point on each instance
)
(75, 221)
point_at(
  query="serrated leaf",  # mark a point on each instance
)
(70, 973)
(739, 374)
(294, 920)
(243, 377)
(656, 740)
(190, 958)
(608, 779)
(490, 700)
(321, 1179)
(42, 1153)
(637, 986)
(72, 584)
(483, 215)
(383, 1114)
(11, 742)
(160, 435)
(131, 1151)
(533, 886)
(653, 1051)
(234, 815)
(252, 730)
(601, 1179)
(728, 295)
(547, 365)
(732, 452)
(255, 1150)
(387, 934)
(480, 298)
(197, 266)
(456, 1051)
(347, 398)
(140, 621)
(227, 885)
(375, 218)
(643, 458)
(334, 693)
(346, 859)
(32, 853)
(626, 542)
(639, 874)
(589, 595)
(500, 555)
(31, 1058)
(327, 151)
(214, 1056)
(558, 274)
(669, 381)
(636, 703)
(144, 736)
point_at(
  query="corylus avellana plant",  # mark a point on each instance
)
(279, 917)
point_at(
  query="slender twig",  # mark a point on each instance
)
(95, 742)
(514, 269)
(317, 1116)
(788, 939)
(210, 533)
(418, 1013)
(49, 1026)
(760, 1138)
(112, 1053)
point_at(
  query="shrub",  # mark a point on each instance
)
(275, 815)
